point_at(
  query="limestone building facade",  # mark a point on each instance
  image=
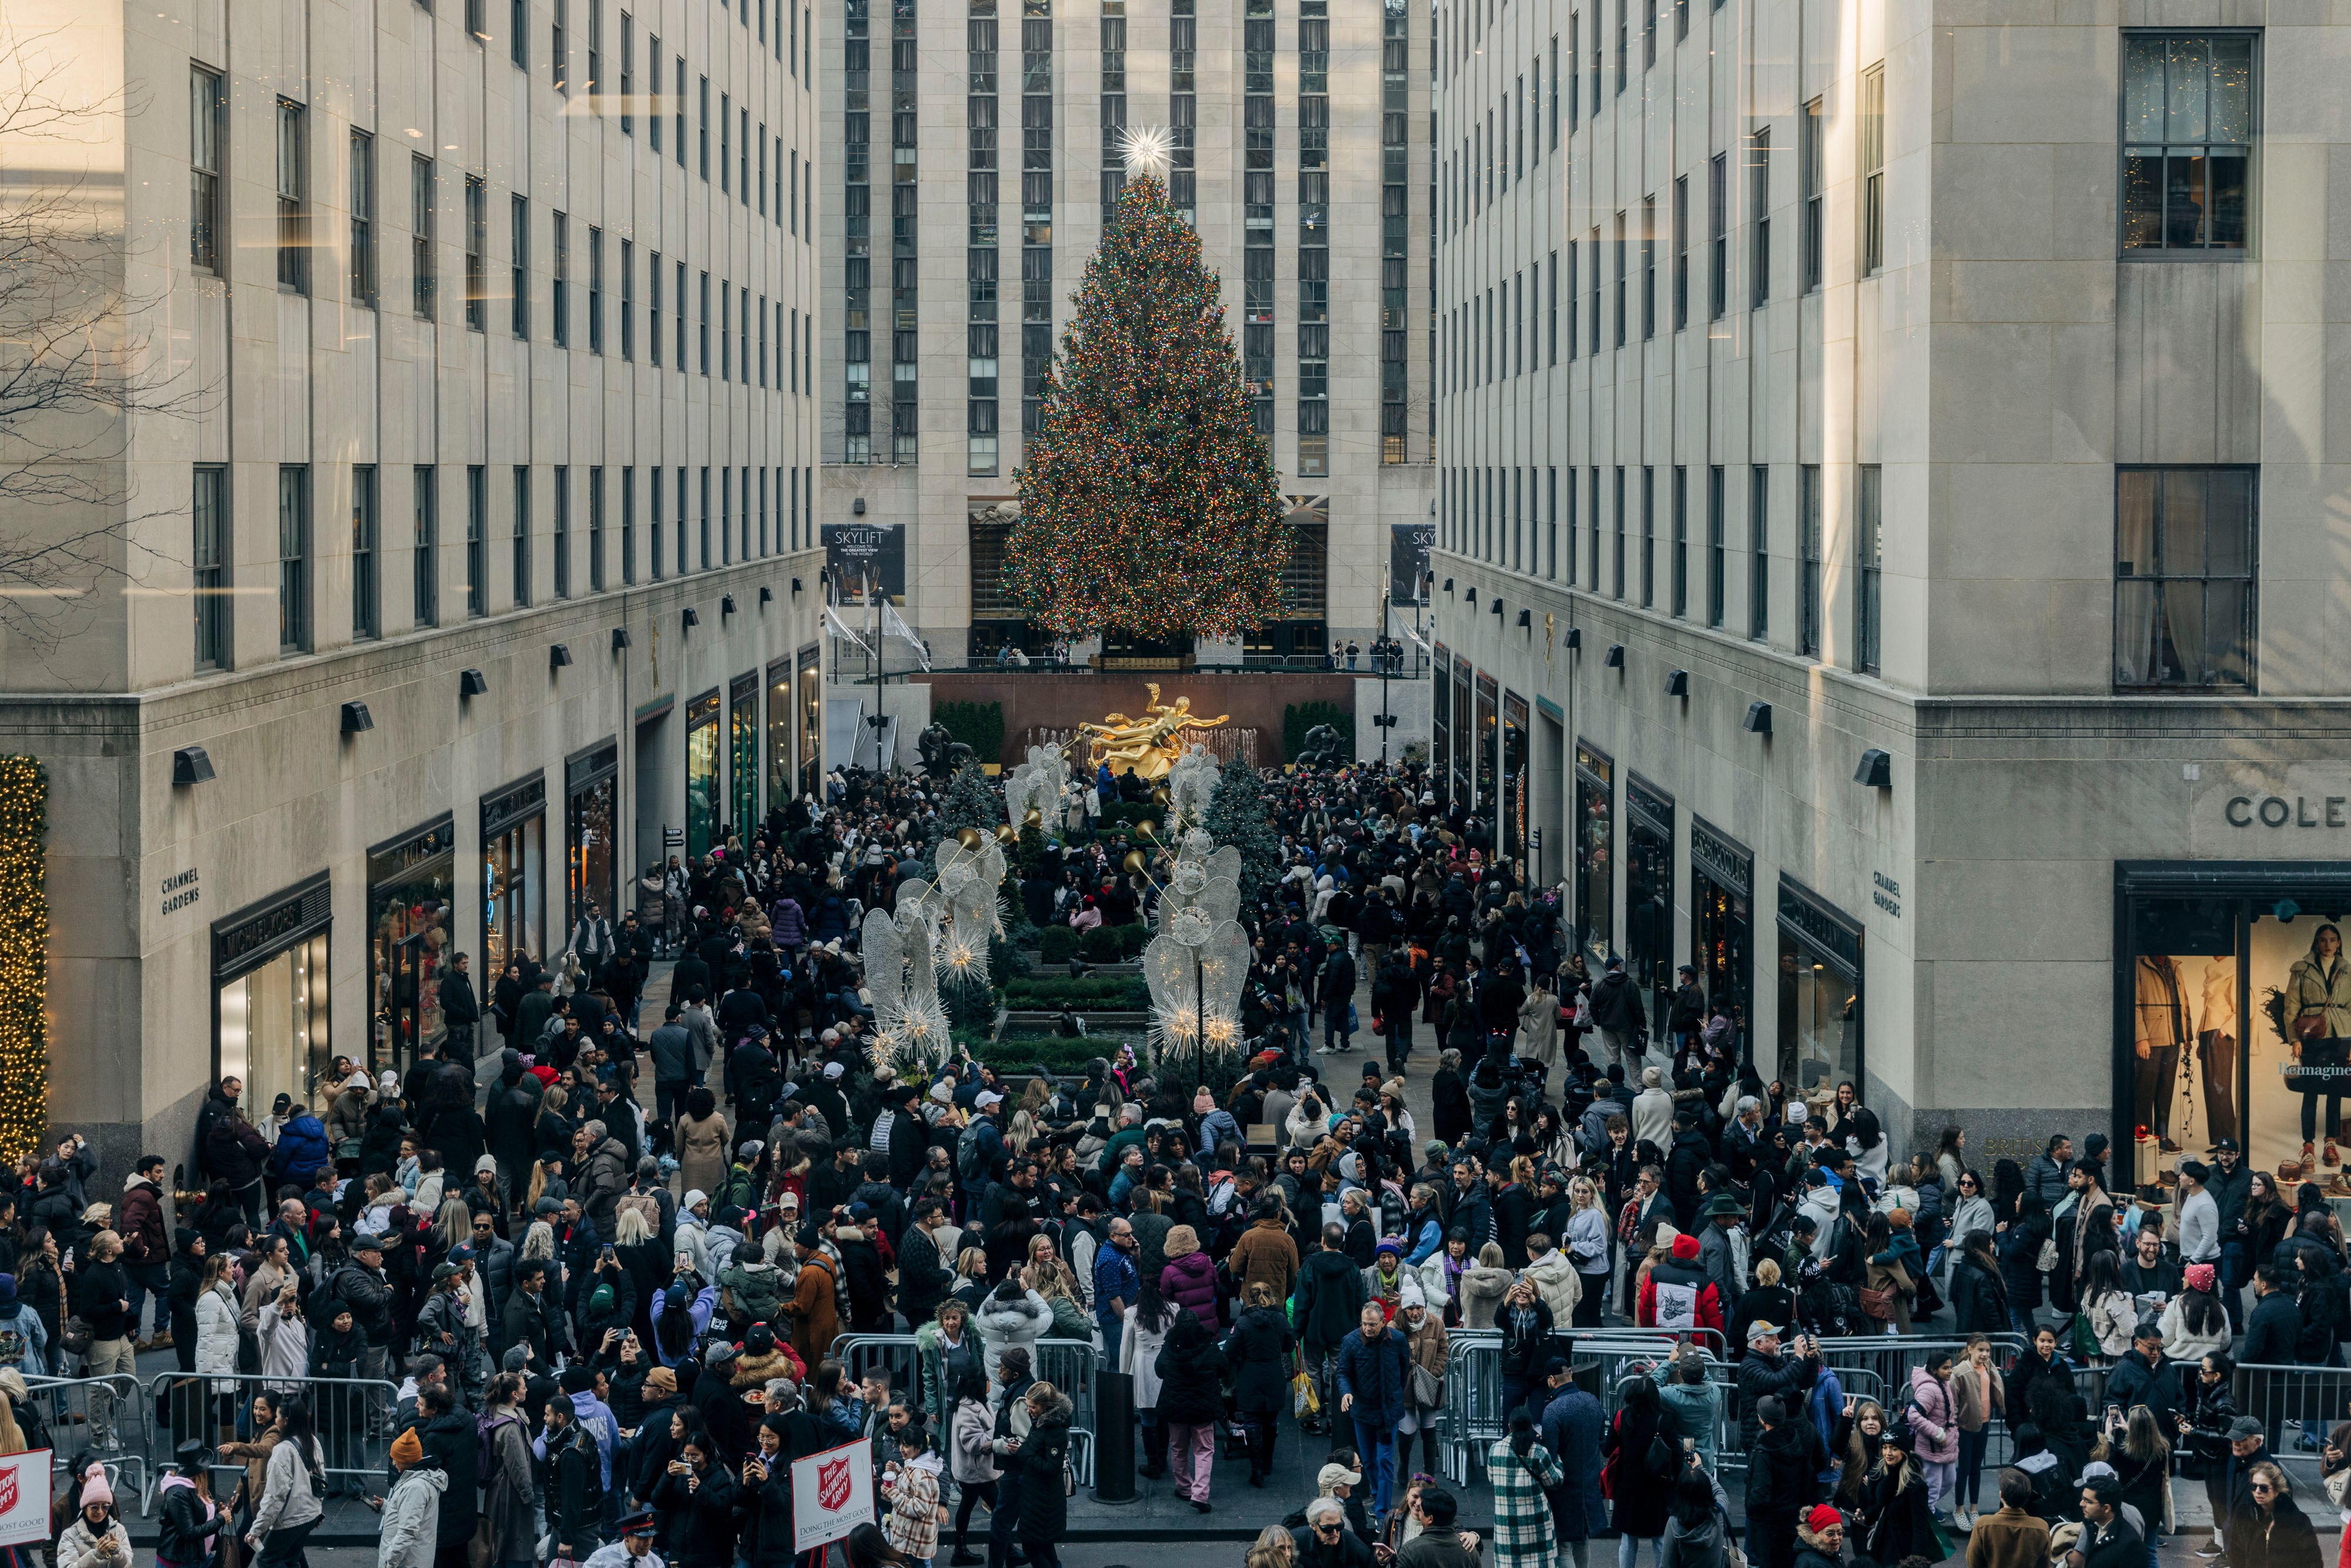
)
(1890, 535)
(452, 552)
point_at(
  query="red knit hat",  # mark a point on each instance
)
(1686, 1248)
(1822, 1518)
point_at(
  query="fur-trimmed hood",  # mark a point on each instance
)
(748, 1370)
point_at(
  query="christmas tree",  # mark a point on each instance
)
(1149, 502)
(1236, 816)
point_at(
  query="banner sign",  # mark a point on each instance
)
(25, 1498)
(832, 1494)
(857, 553)
(1408, 547)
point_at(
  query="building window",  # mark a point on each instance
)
(477, 541)
(207, 139)
(1811, 129)
(679, 316)
(362, 257)
(520, 541)
(1681, 253)
(1681, 544)
(1648, 538)
(628, 527)
(211, 551)
(559, 295)
(1648, 267)
(477, 244)
(518, 33)
(1759, 553)
(654, 525)
(1873, 170)
(367, 604)
(518, 278)
(628, 72)
(1551, 313)
(627, 299)
(424, 279)
(1314, 238)
(701, 334)
(558, 61)
(595, 290)
(424, 556)
(1715, 551)
(677, 116)
(1808, 583)
(2188, 140)
(293, 197)
(726, 142)
(1616, 541)
(1869, 567)
(701, 130)
(1622, 262)
(562, 532)
(1718, 228)
(1758, 203)
(1396, 206)
(654, 310)
(293, 558)
(702, 519)
(2184, 557)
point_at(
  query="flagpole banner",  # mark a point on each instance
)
(25, 1498)
(860, 553)
(1408, 547)
(832, 1494)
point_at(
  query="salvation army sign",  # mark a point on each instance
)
(25, 1498)
(832, 1494)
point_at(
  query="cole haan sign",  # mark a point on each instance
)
(2244, 813)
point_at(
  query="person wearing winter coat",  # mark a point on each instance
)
(1011, 1316)
(1374, 1386)
(1553, 1277)
(288, 1509)
(699, 1501)
(971, 1459)
(1191, 1369)
(192, 1521)
(285, 1341)
(1040, 1457)
(1482, 1288)
(1897, 1515)
(1524, 1474)
(96, 1538)
(1189, 1280)
(1978, 1394)
(508, 1502)
(1693, 1405)
(412, 1510)
(815, 1309)
(1258, 1350)
(1934, 1427)
(1979, 1288)
(302, 1150)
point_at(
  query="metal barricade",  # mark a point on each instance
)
(2297, 1406)
(353, 1416)
(101, 1416)
(1069, 1364)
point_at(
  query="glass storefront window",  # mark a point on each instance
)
(1595, 852)
(812, 690)
(591, 811)
(702, 790)
(411, 885)
(1722, 931)
(512, 867)
(274, 1031)
(743, 756)
(1440, 727)
(1819, 992)
(2185, 992)
(1487, 741)
(780, 729)
(1649, 895)
(1464, 731)
(1512, 816)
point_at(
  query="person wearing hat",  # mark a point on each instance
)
(412, 1510)
(635, 1547)
(1820, 1535)
(191, 1521)
(1722, 1249)
(96, 1538)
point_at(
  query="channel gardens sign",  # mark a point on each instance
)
(2246, 814)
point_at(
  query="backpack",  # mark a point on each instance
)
(485, 1458)
(971, 1160)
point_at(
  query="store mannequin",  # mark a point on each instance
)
(2216, 1048)
(2163, 1026)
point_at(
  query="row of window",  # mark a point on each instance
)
(797, 51)
(756, 509)
(2185, 555)
(786, 177)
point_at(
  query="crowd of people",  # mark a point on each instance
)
(608, 1264)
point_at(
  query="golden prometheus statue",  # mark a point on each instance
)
(1150, 744)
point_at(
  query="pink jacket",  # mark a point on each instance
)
(1934, 1423)
(1190, 1281)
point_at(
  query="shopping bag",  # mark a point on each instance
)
(1303, 1401)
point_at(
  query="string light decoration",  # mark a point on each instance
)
(1149, 502)
(24, 955)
